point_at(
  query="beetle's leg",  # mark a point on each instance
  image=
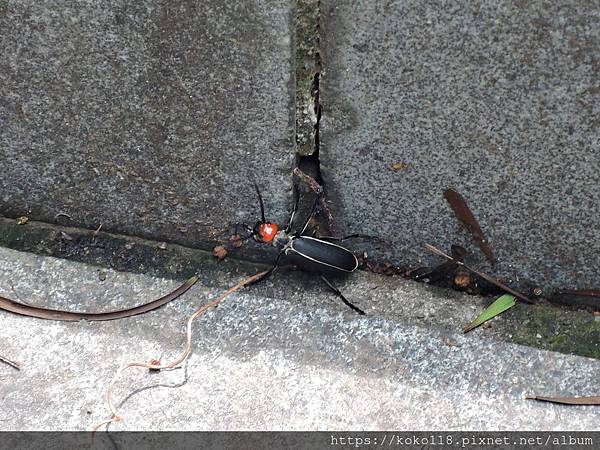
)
(312, 212)
(337, 292)
(247, 227)
(268, 272)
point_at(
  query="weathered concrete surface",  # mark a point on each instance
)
(150, 118)
(499, 100)
(283, 355)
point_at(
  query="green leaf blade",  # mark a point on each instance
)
(500, 305)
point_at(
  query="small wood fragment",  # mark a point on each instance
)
(97, 231)
(236, 240)
(219, 252)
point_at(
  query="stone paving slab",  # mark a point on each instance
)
(498, 100)
(282, 356)
(150, 118)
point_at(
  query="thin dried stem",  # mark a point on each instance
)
(592, 400)
(116, 417)
(486, 277)
(13, 364)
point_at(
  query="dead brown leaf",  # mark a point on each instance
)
(466, 217)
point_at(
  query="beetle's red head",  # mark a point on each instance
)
(265, 231)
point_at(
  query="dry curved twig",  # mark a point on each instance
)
(68, 316)
(116, 417)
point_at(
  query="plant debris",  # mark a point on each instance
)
(384, 268)
(68, 316)
(314, 186)
(589, 298)
(236, 240)
(450, 274)
(462, 278)
(65, 236)
(97, 230)
(499, 305)
(481, 274)
(581, 292)
(13, 364)
(592, 400)
(219, 252)
(464, 214)
(308, 180)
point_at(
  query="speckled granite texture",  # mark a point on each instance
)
(276, 356)
(499, 100)
(151, 118)
(154, 118)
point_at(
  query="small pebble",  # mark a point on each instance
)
(65, 236)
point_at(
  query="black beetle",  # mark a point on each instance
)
(318, 255)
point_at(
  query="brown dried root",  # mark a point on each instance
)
(116, 417)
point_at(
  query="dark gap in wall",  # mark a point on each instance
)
(309, 180)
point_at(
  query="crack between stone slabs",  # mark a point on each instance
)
(308, 143)
(307, 179)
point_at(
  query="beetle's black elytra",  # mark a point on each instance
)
(316, 255)
(308, 253)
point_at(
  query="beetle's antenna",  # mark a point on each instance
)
(262, 206)
(312, 212)
(295, 208)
